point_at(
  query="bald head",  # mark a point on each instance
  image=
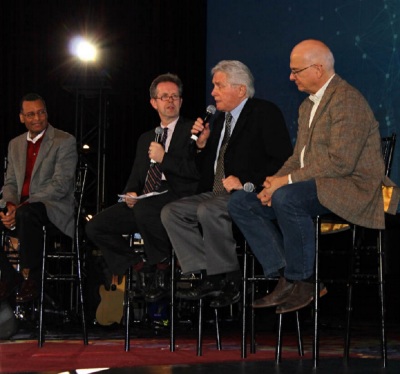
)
(320, 62)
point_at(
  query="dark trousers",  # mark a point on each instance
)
(105, 231)
(30, 219)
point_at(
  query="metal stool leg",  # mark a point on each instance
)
(41, 298)
(200, 329)
(127, 314)
(80, 289)
(172, 304)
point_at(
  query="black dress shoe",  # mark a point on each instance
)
(230, 295)
(279, 295)
(28, 291)
(159, 286)
(301, 296)
(205, 288)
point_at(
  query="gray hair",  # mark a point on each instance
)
(237, 73)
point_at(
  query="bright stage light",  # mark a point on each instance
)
(83, 49)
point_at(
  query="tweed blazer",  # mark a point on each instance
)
(53, 176)
(343, 154)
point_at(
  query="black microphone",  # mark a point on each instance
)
(209, 112)
(157, 139)
(3, 208)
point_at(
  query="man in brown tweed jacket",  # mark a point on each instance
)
(336, 166)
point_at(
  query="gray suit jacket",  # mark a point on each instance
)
(53, 176)
(343, 154)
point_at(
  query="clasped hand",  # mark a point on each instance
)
(271, 184)
(8, 219)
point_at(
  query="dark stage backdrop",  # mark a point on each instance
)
(140, 39)
(363, 35)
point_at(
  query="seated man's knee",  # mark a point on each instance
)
(166, 213)
(236, 199)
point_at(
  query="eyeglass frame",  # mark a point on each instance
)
(168, 97)
(32, 115)
(295, 72)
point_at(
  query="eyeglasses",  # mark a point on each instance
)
(295, 72)
(32, 115)
(168, 97)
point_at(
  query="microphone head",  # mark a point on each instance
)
(3, 204)
(249, 187)
(158, 130)
(211, 109)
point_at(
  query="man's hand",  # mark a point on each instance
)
(130, 202)
(271, 184)
(156, 152)
(202, 130)
(8, 219)
(232, 183)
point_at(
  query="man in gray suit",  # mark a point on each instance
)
(247, 140)
(337, 166)
(38, 190)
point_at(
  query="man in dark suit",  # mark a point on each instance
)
(250, 139)
(179, 177)
(38, 190)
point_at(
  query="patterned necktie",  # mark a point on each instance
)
(218, 187)
(153, 179)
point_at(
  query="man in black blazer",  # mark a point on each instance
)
(199, 226)
(130, 215)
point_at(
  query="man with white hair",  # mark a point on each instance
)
(247, 141)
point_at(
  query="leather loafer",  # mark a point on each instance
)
(300, 297)
(230, 295)
(205, 288)
(27, 292)
(279, 295)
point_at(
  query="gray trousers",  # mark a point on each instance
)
(200, 230)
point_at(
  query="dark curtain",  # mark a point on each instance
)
(139, 39)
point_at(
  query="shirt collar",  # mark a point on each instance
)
(316, 98)
(236, 112)
(36, 138)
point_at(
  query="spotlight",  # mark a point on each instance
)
(83, 49)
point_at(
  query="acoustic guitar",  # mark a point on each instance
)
(111, 307)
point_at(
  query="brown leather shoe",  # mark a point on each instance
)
(27, 292)
(301, 296)
(279, 295)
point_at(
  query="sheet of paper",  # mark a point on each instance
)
(144, 196)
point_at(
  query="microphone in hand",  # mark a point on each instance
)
(3, 208)
(250, 187)
(209, 112)
(157, 139)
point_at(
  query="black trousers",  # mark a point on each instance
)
(30, 219)
(105, 231)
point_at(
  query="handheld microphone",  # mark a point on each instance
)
(250, 187)
(3, 208)
(209, 112)
(158, 130)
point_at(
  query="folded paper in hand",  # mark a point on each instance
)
(144, 196)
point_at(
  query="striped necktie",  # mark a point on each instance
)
(218, 187)
(153, 179)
